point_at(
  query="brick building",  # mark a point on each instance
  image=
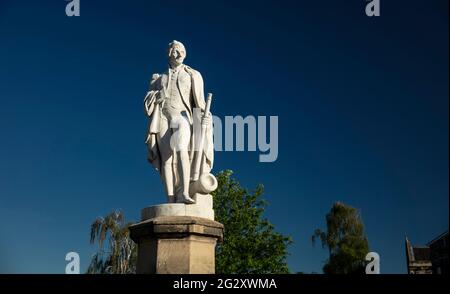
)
(430, 259)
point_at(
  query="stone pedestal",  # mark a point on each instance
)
(176, 244)
(203, 207)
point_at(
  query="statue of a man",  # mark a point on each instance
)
(174, 104)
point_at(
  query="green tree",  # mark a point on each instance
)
(250, 243)
(345, 239)
(119, 254)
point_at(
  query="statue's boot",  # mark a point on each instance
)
(185, 199)
(171, 199)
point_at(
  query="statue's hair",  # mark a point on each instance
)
(176, 43)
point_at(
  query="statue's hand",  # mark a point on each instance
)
(207, 119)
(160, 98)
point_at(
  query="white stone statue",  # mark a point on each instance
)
(180, 135)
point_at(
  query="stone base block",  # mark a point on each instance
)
(176, 245)
(203, 207)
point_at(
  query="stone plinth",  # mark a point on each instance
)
(176, 245)
(203, 207)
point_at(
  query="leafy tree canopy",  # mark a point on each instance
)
(345, 239)
(251, 245)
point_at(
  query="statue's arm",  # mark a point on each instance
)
(150, 98)
(198, 88)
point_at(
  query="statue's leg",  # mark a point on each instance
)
(185, 170)
(167, 173)
(181, 141)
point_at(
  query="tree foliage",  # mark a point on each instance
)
(345, 239)
(119, 254)
(250, 243)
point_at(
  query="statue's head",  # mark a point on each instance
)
(176, 53)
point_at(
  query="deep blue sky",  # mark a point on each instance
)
(362, 105)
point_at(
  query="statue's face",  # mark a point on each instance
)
(176, 55)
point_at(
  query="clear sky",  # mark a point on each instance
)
(362, 105)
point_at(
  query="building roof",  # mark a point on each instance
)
(443, 235)
(421, 253)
